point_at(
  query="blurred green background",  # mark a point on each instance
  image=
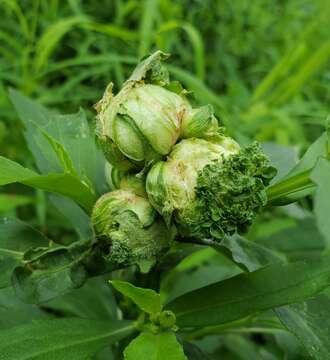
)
(263, 65)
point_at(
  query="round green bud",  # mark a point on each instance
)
(167, 319)
(131, 227)
(210, 188)
(142, 123)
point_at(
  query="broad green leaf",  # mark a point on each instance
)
(50, 272)
(297, 241)
(310, 322)
(248, 293)
(70, 132)
(64, 184)
(16, 237)
(148, 346)
(14, 312)
(201, 268)
(318, 149)
(146, 299)
(94, 300)
(248, 253)
(283, 158)
(321, 177)
(65, 339)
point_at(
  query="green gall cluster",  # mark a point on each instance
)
(171, 169)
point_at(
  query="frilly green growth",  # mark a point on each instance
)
(210, 188)
(131, 227)
(146, 118)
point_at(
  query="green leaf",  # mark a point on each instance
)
(14, 312)
(248, 253)
(321, 176)
(147, 346)
(248, 293)
(146, 299)
(16, 237)
(84, 303)
(50, 272)
(64, 184)
(297, 241)
(310, 322)
(64, 339)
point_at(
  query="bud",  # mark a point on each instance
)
(143, 122)
(131, 227)
(210, 188)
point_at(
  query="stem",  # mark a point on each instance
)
(291, 189)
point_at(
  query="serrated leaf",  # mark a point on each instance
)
(248, 293)
(321, 176)
(162, 346)
(310, 322)
(65, 339)
(64, 184)
(146, 299)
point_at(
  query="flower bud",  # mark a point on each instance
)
(130, 226)
(143, 122)
(210, 188)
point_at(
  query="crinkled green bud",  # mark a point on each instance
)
(210, 188)
(129, 224)
(146, 118)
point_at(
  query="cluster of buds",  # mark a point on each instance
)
(171, 169)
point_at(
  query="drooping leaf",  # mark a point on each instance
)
(310, 322)
(65, 339)
(16, 237)
(60, 183)
(321, 176)
(50, 272)
(146, 299)
(148, 346)
(248, 293)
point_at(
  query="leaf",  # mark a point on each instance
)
(16, 237)
(318, 149)
(148, 346)
(64, 184)
(321, 176)
(14, 312)
(310, 322)
(248, 253)
(50, 272)
(248, 293)
(95, 300)
(298, 241)
(74, 136)
(65, 339)
(283, 158)
(146, 299)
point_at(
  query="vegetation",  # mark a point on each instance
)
(153, 225)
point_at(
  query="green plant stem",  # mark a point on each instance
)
(291, 189)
